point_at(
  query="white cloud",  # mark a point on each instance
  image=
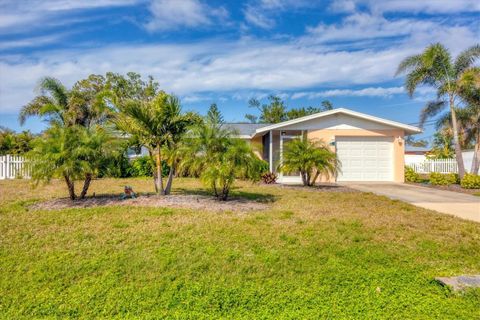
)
(172, 14)
(261, 13)
(258, 17)
(409, 6)
(32, 42)
(25, 15)
(366, 92)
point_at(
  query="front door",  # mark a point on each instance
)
(291, 177)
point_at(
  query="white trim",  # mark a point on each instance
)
(270, 151)
(408, 128)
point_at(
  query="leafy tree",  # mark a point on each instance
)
(311, 158)
(411, 141)
(276, 111)
(442, 147)
(158, 124)
(70, 153)
(435, 67)
(211, 152)
(327, 105)
(122, 89)
(14, 143)
(273, 112)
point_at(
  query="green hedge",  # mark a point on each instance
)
(470, 181)
(441, 179)
(411, 175)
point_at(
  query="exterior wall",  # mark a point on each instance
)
(328, 136)
(257, 146)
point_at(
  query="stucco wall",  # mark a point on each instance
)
(328, 136)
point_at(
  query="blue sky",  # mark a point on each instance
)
(230, 51)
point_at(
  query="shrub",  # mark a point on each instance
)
(143, 167)
(411, 175)
(471, 181)
(269, 177)
(440, 179)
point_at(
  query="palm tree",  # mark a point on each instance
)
(52, 103)
(311, 158)
(435, 67)
(470, 92)
(157, 124)
(211, 152)
(70, 153)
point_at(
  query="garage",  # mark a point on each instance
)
(365, 158)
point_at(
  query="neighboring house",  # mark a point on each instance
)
(369, 148)
(415, 154)
(419, 155)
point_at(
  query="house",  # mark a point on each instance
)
(415, 154)
(369, 148)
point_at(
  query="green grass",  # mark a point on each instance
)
(312, 255)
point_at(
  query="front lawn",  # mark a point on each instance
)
(311, 254)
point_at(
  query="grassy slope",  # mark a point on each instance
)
(333, 255)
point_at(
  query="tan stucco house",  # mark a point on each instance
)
(369, 148)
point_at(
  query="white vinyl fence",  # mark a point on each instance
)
(13, 167)
(436, 165)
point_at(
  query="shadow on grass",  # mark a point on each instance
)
(235, 194)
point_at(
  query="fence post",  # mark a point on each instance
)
(7, 166)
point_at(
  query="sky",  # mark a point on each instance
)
(227, 52)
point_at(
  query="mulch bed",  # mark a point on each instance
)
(452, 187)
(197, 202)
(322, 187)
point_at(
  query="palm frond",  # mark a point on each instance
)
(55, 88)
(431, 109)
(409, 63)
(466, 59)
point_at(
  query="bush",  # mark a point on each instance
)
(471, 181)
(269, 177)
(144, 166)
(411, 175)
(440, 179)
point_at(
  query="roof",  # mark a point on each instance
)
(408, 128)
(246, 129)
(416, 149)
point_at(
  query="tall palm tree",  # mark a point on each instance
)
(52, 103)
(435, 67)
(158, 124)
(82, 105)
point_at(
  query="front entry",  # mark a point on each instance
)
(292, 177)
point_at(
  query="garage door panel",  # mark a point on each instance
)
(365, 158)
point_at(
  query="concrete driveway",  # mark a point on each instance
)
(462, 205)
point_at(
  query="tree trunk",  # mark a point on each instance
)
(304, 178)
(168, 187)
(225, 191)
(315, 178)
(154, 169)
(456, 140)
(86, 185)
(71, 187)
(159, 185)
(476, 157)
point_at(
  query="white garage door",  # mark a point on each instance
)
(365, 158)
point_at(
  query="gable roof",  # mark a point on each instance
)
(246, 129)
(408, 128)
